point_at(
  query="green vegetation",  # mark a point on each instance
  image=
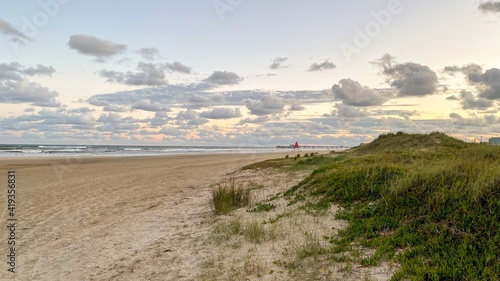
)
(294, 164)
(263, 207)
(428, 202)
(227, 197)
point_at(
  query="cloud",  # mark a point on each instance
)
(40, 70)
(198, 101)
(221, 78)
(326, 65)
(409, 79)
(149, 53)
(92, 46)
(178, 67)
(221, 113)
(351, 92)
(114, 123)
(277, 63)
(17, 36)
(49, 120)
(471, 71)
(11, 71)
(114, 108)
(15, 71)
(172, 131)
(491, 84)
(24, 91)
(487, 83)
(52, 103)
(190, 117)
(347, 111)
(490, 7)
(269, 104)
(296, 107)
(147, 105)
(258, 120)
(160, 119)
(469, 101)
(484, 121)
(148, 74)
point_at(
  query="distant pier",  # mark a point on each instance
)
(314, 146)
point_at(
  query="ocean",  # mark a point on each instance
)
(9, 150)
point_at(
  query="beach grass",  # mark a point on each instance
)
(229, 196)
(429, 202)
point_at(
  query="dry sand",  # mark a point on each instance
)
(148, 218)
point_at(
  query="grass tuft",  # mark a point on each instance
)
(228, 197)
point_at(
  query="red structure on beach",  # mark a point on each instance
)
(296, 145)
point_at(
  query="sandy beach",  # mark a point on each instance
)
(84, 218)
(142, 218)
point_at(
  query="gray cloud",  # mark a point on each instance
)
(148, 74)
(409, 79)
(160, 119)
(190, 117)
(490, 7)
(40, 70)
(24, 91)
(52, 103)
(45, 119)
(147, 105)
(277, 63)
(326, 65)
(149, 53)
(347, 111)
(471, 71)
(15, 71)
(483, 121)
(114, 123)
(491, 84)
(89, 45)
(178, 67)
(11, 71)
(351, 92)
(221, 113)
(487, 82)
(172, 131)
(269, 104)
(258, 120)
(469, 101)
(9, 30)
(114, 108)
(296, 107)
(198, 101)
(221, 78)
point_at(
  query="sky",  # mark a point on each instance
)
(246, 72)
